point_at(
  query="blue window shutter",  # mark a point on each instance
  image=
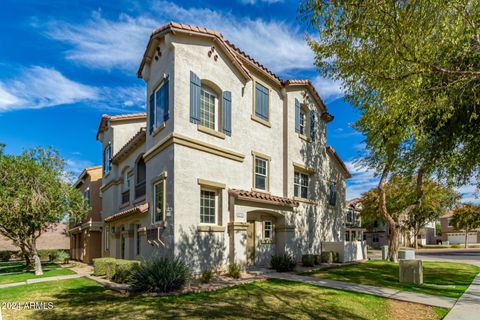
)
(227, 113)
(195, 88)
(297, 116)
(261, 101)
(151, 112)
(166, 105)
(312, 125)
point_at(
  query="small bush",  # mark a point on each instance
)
(100, 266)
(206, 276)
(336, 257)
(234, 270)
(5, 256)
(456, 246)
(123, 270)
(61, 255)
(308, 260)
(326, 257)
(159, 275)
(283, 263)
(318, 259)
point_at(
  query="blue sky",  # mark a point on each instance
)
(65, 63)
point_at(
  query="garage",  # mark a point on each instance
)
(459, 238)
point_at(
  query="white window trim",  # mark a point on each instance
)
(217, 202)
(216, 107)
(266, 175)
(271, 231)
(155, 126)
(300, 173)
(155, 221)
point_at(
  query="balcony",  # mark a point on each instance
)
(125, 196)
(140, 189)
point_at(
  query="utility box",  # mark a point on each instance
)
(406, 254)
(384, 252)
(411, 271)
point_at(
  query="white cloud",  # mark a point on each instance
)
(469, 193)
(74, 167)
(329, 90)
(103, 43)
(38, 87)
(363, 179)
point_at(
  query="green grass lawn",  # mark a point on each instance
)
(11, 278)
(273, 299)
(8, 267)
(440, 278)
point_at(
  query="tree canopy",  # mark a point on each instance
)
(466, 218)
(34, 194)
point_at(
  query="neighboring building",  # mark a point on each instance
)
(353, 221)
(229, 164)
(452, 236)
(54, 238)
(86, 235)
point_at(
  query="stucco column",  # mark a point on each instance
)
(238, 242)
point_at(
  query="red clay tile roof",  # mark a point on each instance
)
(354, 201)
(448, 214)
(120, 117)
(238, 57)
(130, 146)
(143, 208)
(263, 198)
(340, 162)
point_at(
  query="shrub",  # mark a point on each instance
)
(123, 270)
(206, 276)
(5, 256)
(336, 257)
(159, 275)
(326, 257)
(100, 265)
(61, 255)
(234, 270)
(308, 260)
(283, 263)
(456, 246)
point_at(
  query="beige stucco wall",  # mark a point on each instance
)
(300, 230)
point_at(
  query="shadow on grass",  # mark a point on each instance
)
(272, 299)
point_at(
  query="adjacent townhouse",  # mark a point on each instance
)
(86, 235)
(229, 164)
(452, 236)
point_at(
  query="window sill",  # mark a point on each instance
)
(106, 174)
(267, 241)
(261, 121)
(304, 137)
(211, 132)
(210, 228)
(158, 129)
(124, 205)
(139, 199)
(261, 191)
(159, 224)
(304, 200)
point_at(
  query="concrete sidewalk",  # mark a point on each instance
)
(46, 279)
(421, 298)
(468, 306)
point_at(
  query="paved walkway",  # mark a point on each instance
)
(46, 279)
(468, 306)
(421, 298)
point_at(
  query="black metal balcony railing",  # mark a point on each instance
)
(125, 196)
(140, 189)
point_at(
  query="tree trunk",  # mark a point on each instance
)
(36, 259)
(26, 256)
(394, 243)
(466, 237)
(415, 234)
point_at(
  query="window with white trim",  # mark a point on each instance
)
(303, 121)
(261, 173)
(86, 196)
(159, 201)
(300, 184)
(208, 206)
(208, 108)
(107, 158)
(267, 230)
(126, 181)
(160, 104)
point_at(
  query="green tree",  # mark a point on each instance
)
(466, 218)
(400, 193)
(34, 194)
(411, 69)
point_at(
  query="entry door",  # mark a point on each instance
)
(251, 243)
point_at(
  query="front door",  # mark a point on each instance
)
(251, 243)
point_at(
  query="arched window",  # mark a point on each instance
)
(141, 176)
(209, 109)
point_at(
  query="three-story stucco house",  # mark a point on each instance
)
(230, 163)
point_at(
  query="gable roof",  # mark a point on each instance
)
(241, 60)
(140, 209)
(263, 198)
(132, 144)
(84, 173)
(339, 161)
(122, 117)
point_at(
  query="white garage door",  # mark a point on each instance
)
(459, 238)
